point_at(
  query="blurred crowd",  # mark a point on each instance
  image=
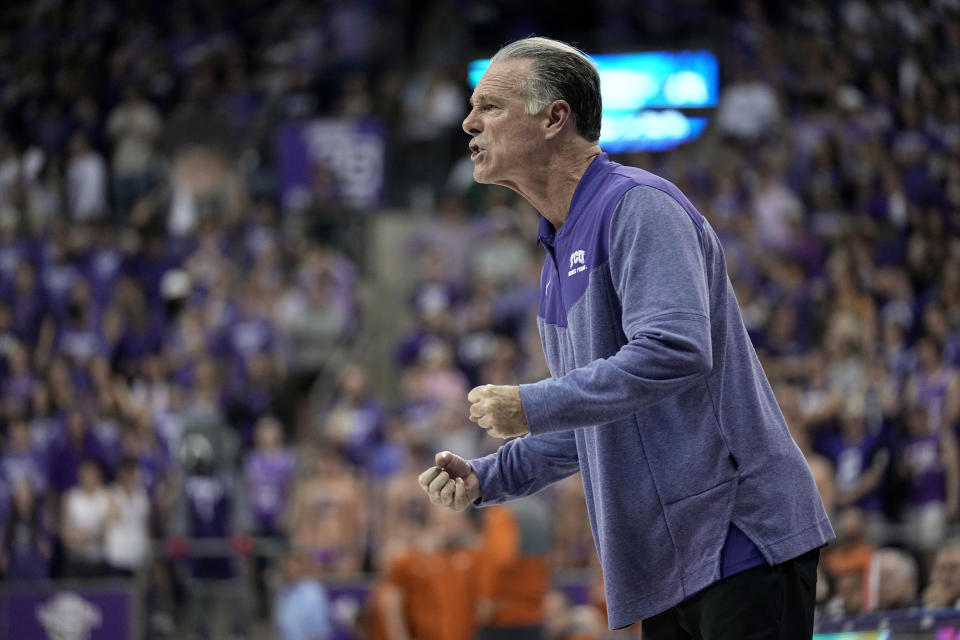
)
(175, 345)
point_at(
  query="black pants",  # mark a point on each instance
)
(763, 603)
(533, 632)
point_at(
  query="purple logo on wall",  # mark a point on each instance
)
(350, 151)
(42, 611)
(67, 616)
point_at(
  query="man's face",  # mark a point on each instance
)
(946, 571)
(505, 139)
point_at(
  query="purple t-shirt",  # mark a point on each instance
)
(924, 460)
(268, 477)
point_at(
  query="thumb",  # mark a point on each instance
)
(453, 464)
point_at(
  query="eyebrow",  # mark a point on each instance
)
(479, 98)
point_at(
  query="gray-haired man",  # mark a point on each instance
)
(706, 518)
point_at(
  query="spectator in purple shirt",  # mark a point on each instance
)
(18, 383)
(46, 423)
(928, 460)
(30, 305)
(80, 337)
(860, 462)
(26, 547)
(354, 423)
(268, 475)
(21, 462)
(75, 444)
(252, 394)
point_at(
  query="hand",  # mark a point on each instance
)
(498, 409)
(452, 483)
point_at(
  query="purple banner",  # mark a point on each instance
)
(351, 151)
(43, 611)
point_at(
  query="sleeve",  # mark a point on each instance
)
(658, 270)
(523, 466)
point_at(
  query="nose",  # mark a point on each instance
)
(471, 124)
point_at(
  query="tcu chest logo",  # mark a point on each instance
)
(578, 257)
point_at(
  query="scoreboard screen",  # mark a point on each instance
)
(652, 100)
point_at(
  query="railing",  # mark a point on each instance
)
(908, 624)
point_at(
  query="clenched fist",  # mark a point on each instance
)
(452, 483)
(498, 409)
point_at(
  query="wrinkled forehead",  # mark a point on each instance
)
(502, 79)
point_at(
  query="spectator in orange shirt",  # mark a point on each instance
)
(847, 561)
(851, 552)
(514, 573)
(430, 592)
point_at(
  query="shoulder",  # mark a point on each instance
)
(632, 191)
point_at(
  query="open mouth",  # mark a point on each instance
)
(475, 151)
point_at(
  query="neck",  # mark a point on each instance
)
(549, 187)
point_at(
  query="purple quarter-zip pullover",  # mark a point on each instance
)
(657, 398)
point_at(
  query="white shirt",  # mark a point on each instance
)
(128, 533)
(87, 186)
(87, 514)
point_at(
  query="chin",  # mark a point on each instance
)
(480, 176)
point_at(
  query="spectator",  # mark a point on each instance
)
(860, 462)
(74, 445)
(417, 600)
(896, 580)
(27, 546)
(851, 553)
(134, 127)
(943, 592)
(22, 462)
(127, 535)
(268, 477)
(930, 462)
(328, 516)
(302, 610)
(212, 507)
(86, 181)
(935, 385)
(354, 423)
(514, 570)
(84, 522)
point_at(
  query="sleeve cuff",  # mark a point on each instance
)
(535, 407)
(490, 486)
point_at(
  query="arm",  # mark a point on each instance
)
(659, 272)
(867, 482)
(951, 467)
(951, 408)
(524, 466)
(393, 620)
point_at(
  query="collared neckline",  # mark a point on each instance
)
(547, 234)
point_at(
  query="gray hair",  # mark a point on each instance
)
(559, 72)
(902, 563)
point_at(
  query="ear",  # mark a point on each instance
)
(558, 118)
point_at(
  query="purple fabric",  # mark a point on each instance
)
(65, 460)
(25, 467)
(739, 553)
(269, 477)
(103, 268)
(651, 363)
(851, 460)
(923, 459)
(24, 542)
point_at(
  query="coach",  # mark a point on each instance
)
(705, 515)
